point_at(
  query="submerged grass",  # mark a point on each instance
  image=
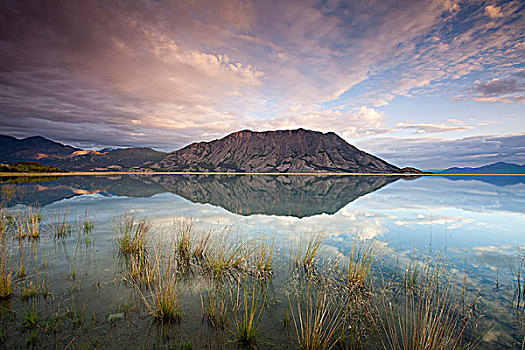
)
(317, 317)
(6, 278)
(216, 308)
(59, 225)
(305, 255)
(426, 316)
(132, 233)
(249, 304)
(26, 223)
(360, 262)
(225, 255)
(164, 302)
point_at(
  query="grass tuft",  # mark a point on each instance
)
(317, 318)
(132, 233)
(164, 303)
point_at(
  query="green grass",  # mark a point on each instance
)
(30, 317)
(29, 290)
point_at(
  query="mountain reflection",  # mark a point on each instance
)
(298, 196)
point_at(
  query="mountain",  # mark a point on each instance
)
(34, 148)
(480, 174)
(274, 151)
(55, 154)
(283, 151)
(495, 168)
(127, 159)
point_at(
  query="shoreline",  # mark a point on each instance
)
(105, 173)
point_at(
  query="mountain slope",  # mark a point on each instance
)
(274, 151)
(34, 148)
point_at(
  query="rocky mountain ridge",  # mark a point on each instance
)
(283, 151)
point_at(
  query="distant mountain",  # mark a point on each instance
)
(244, 151)
(127, 159)
(275, 151)
(495, 168)
(34, 148)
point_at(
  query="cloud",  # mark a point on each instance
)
(506, 90)
(493, 11)
(426, 128)
(436, 153)
(359, 122)
(166, 73)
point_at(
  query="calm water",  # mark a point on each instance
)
(475, 225)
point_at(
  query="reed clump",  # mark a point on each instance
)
(360, 262)
(139, 268)
(190, 245)
(225, 255)
(249, 304)
(26, 223)
(6, 278)
(263, 258)
(425, 317)
(59, 225)
(132, 233)
(317, 317)
(164, 303)
(216, 308)
(306, 255)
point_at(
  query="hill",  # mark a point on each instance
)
(35, 148)
(275, 151)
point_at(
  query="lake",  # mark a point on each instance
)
(263, 261)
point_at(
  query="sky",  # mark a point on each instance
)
(429, 84)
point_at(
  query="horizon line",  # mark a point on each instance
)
(102, 173)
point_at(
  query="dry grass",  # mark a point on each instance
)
(164, 302)
(426, 317)
(215, 308)
(225, 255)
(249, 304)
(59, 225)
(139, 269)
(263, 258)
(26, 223)
(360, 263)
(317, 318)
(132, 233)
(6, 277)
(306, 255)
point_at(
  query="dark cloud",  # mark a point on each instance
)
(500, 90)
